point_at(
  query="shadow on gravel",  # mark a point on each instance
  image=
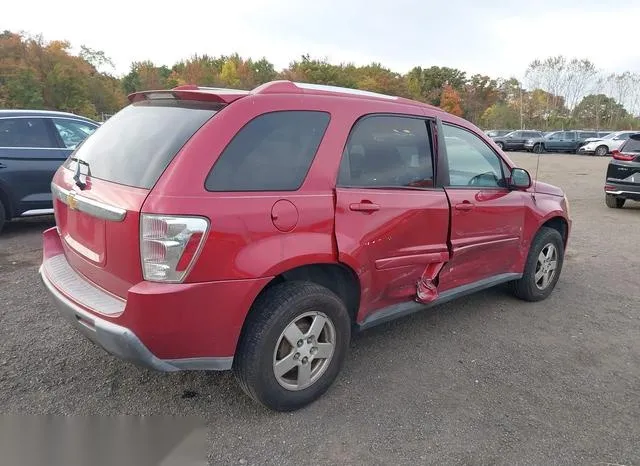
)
(21, 226)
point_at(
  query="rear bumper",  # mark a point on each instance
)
(166, 327)
(115, 339)
(624, 191)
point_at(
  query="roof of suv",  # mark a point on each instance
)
(226, 96)
(4, 113)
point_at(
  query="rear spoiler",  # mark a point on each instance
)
(191, 92)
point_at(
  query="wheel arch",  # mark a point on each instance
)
(335, 276)
(558, 223)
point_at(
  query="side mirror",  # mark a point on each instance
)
(520, 179)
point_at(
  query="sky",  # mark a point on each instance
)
(492, 37)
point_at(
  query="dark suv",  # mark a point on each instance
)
(623, 174)
(33, 144)
(561, 141)
(516, 140)
(211, 229)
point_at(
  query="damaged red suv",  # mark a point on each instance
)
(215, 229)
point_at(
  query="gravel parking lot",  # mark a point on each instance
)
(483, 380)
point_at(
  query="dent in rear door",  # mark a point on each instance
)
(391, 222)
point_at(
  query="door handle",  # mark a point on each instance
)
(2, 165)
(364, 206)
(465, 206)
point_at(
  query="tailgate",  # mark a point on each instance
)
(99, 227)
(99, 191)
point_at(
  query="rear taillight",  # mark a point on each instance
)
(169, 246)
(616, 154)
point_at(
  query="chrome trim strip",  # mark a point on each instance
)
(635, 193)
(88, 206)
(36, 212)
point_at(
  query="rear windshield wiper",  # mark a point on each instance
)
(76, 177)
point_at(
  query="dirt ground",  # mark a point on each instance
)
(483, 380)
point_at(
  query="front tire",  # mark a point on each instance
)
(293, 345)
(500, 145)
(614, 202)
(538, 149)
(543, 266)
(601, 151)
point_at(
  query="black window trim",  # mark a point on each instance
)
(443, 159)
(53, 132)
(429, 126)
(311, 164)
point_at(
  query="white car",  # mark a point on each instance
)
(606, 144)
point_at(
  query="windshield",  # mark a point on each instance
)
(134, 146)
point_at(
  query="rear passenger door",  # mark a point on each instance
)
(391, 221)
(487, 218)
(30, 152)
(568, 141)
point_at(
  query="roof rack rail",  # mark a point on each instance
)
(292, 87)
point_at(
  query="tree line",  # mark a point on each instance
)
(556, 93)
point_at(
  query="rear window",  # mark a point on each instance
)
(632, 145)
(136, 145)
(273, 152)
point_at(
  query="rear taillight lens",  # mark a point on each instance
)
(169, 246)
(616, 154)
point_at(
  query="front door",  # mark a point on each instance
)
(486, 217)
(391, 222)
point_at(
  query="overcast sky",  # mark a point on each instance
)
(495, 37)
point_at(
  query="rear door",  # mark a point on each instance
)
(487, 218)
(391, 222)
(516, 141)
(568, 141)
(30, 153)
(101, 189)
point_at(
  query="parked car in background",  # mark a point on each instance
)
(255, 230)
(605, 145)
(515, 140)
(560, 141)
(623, 174)
(495, 133)
(33, 144)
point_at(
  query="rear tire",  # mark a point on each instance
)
(289, 311)
(601, 151)
(614, 202)
(543, 267)
(3, 216)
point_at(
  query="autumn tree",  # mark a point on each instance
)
(451, 101)
(427, 84)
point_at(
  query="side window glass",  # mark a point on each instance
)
(273, 152)
(25, 133)
(471, 161)
(387, 151)
(73, 132)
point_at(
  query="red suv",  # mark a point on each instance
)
(214, 229)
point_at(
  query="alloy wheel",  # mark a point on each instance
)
(304, 351)
(546, 266)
